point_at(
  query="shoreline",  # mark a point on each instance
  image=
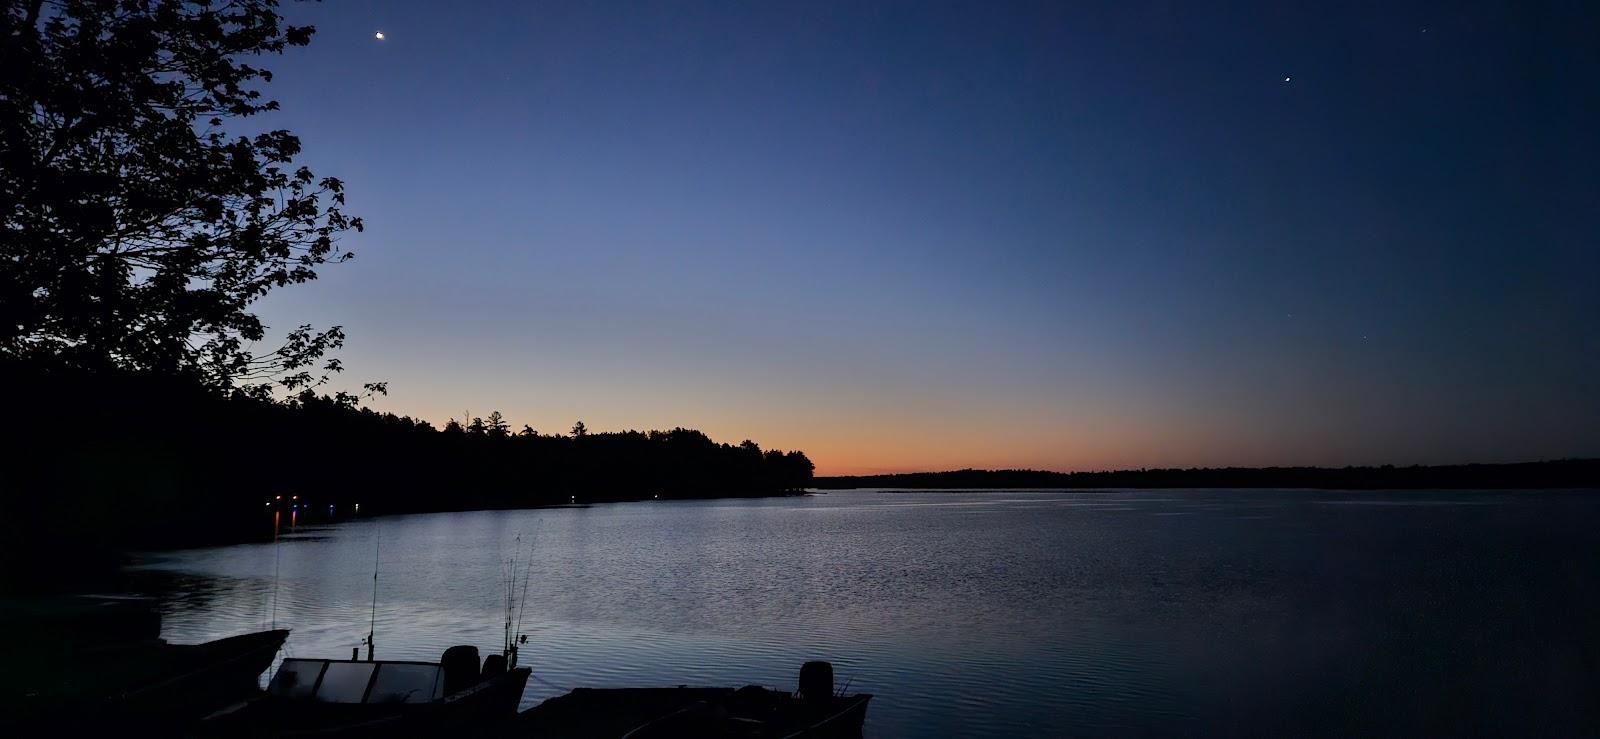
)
(1544, 475)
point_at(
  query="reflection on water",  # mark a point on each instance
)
(1017, 613)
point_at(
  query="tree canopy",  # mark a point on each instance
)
(135, 231)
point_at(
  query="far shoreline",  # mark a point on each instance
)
(1552, 474)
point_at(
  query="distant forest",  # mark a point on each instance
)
(104, 461)
(1566, 473)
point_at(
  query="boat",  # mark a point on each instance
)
(388, 698)
(352, 698)
(816, 711)
(139, 683)
(200, 675)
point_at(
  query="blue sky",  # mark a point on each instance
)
(936, 235)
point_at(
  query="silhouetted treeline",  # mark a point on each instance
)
(1566, 473)
(99, 462)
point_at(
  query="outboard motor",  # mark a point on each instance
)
(816, 682)
(494, 665)
(460, 665)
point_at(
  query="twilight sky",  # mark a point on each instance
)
(907, 236)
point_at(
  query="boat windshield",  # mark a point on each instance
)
(297, 678)
(340, 681)
(344, 682)
(405, 683)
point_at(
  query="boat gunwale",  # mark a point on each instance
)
(699, 705)
(858, 700)
(273, 639)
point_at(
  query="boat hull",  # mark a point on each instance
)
(661, 713)
(145, 684)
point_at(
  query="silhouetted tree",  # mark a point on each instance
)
(578, 429)
(135, 231)
(497, 427)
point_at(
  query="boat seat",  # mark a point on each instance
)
(816, 681)
(460, 665)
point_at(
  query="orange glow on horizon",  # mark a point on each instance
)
(884, 448)
(854, 431)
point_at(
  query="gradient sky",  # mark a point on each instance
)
(909, 236)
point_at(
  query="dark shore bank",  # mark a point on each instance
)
(107, 462)
(1565, 473)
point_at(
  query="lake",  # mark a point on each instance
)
(984, 613)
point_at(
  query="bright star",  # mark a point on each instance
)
(378, 35)
(1286, 79)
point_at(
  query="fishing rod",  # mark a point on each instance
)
(372, 625)
(522, 608)
(277, 571)
(508, 575)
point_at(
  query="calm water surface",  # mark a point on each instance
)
(986, 614)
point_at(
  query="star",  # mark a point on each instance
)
(1286, 79)
(378, 35)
